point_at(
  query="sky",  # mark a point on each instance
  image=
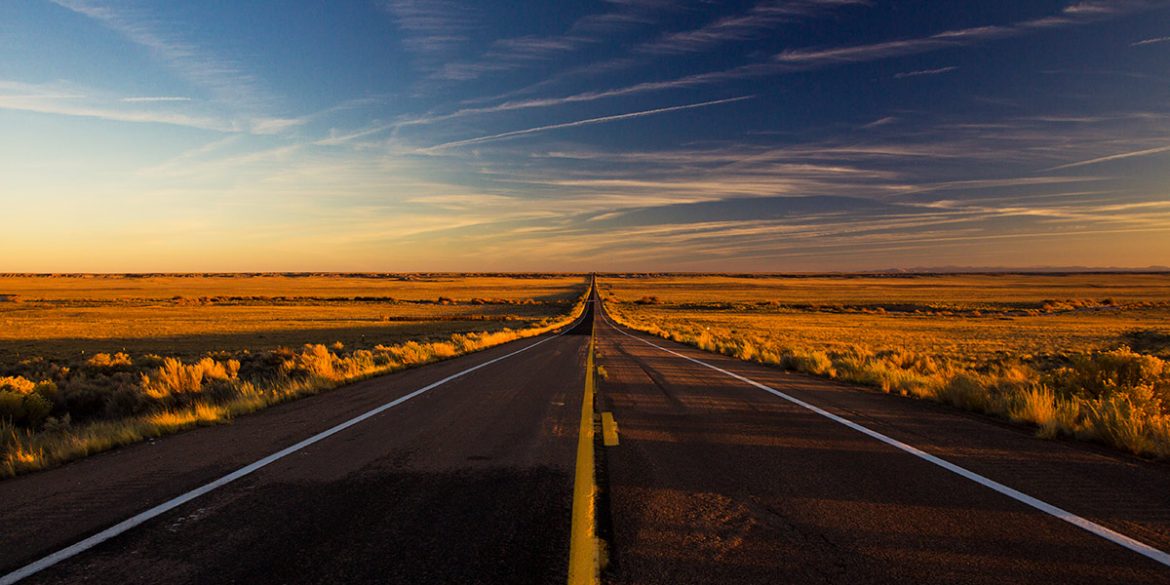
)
(620, 135)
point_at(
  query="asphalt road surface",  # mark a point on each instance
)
(714, 481)
(719, 481)
(470, 482)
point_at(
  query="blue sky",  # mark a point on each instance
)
(612, 135)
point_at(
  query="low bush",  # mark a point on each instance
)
(967, 392)
(105, 360)
(27, 410)
(813, 362)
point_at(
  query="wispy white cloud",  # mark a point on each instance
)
(810, 58)
(1107, 7)
(1073, 15)
(638, 192)
(1097, 119)
(750, 25)
(32, 91)
(514, 53)
(510, 54)
(67, 101)
(241, 105)
(805, 59)
(885, 121)
(590, 96)
(474, 202)
(922, 72)
(988, 184)
(532, 48)
(1146, 213)
(1112, 157)
(336, 138)
(224, 79)
(745, 154)
(107, 111)
(811, 232)
(590, 121)
(434, 29)
(1150, 41)
(194, 164)
(502, 57)
(626, 15)
(741, 27)
(186, 158)
(150, 99)
(270, 125)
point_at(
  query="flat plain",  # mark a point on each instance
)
(88, 362)
(713, 479)
(1074, 354)
(189, 315)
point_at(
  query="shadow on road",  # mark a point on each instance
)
(585, 327)
(474, 525)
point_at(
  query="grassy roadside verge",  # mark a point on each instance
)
(154, 396)
(1117, 397)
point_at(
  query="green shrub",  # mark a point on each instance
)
(28, 410)
(8, 435)
(124, 401)
(85, 397)
(36, 409)
(46, 389)
(11, 406)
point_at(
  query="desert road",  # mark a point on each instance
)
(469, 471)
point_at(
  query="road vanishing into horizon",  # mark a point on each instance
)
(470, 471)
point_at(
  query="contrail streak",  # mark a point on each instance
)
(601, 120)
(1146, 152)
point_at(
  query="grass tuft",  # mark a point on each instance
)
(1117, 396)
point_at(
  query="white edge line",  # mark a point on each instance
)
(1101, 531)
(125, 525)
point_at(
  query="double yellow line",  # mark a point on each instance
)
(584, 547)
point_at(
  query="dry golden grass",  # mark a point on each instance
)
(1078, 355)
(84, 367)
(966, 340)
(64, 317)
(406, 287)
(974, 291)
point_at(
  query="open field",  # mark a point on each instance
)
(1082, 355)
(187, 316)
(89, 362)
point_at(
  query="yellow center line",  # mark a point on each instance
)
(584, 549)
(609, 430)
